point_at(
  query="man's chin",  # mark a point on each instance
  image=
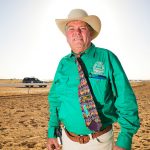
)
(79, 45)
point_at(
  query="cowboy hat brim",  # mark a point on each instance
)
(92, 20)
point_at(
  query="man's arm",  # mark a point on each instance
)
(125, 103)
(54, 105)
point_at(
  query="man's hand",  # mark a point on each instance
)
(118, 148)
(52, 144)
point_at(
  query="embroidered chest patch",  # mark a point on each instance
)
(98, 68)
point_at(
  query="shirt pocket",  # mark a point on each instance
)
(73, 81)
(99, 86)
(61, 84)
(72, 84)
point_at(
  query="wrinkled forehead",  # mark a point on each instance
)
(76, 22)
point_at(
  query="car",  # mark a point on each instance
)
(32, 82)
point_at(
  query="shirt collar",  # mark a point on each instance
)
(84, 52)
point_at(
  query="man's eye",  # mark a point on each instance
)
(82, 28)
(70, 29)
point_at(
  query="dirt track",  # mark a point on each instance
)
(24, 117)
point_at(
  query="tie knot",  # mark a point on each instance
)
(78, 55)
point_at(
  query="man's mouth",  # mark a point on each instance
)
(77, 39)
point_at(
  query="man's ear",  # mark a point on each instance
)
(91, 34)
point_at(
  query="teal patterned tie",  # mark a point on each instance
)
(87, 103)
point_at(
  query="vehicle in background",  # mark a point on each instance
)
(33, 82)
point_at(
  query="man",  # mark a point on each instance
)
(90, 92)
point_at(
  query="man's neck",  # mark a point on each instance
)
(80, 52)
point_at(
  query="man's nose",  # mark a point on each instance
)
(77, 30)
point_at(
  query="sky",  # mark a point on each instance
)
(32, 45)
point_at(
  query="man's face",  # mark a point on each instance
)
(78, 36)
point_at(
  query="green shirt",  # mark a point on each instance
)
(113, 94)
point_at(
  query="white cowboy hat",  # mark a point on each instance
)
(79, 14)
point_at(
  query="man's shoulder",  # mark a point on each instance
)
(99, 51)
(103, 50)
(64, 58)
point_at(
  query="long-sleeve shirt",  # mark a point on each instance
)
(113, 95)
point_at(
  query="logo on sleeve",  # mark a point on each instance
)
(98, 68)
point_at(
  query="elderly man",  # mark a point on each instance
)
(90, 92)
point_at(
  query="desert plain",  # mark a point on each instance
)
(24, 117)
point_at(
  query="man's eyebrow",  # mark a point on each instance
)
(68, 26)
(71, 26)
